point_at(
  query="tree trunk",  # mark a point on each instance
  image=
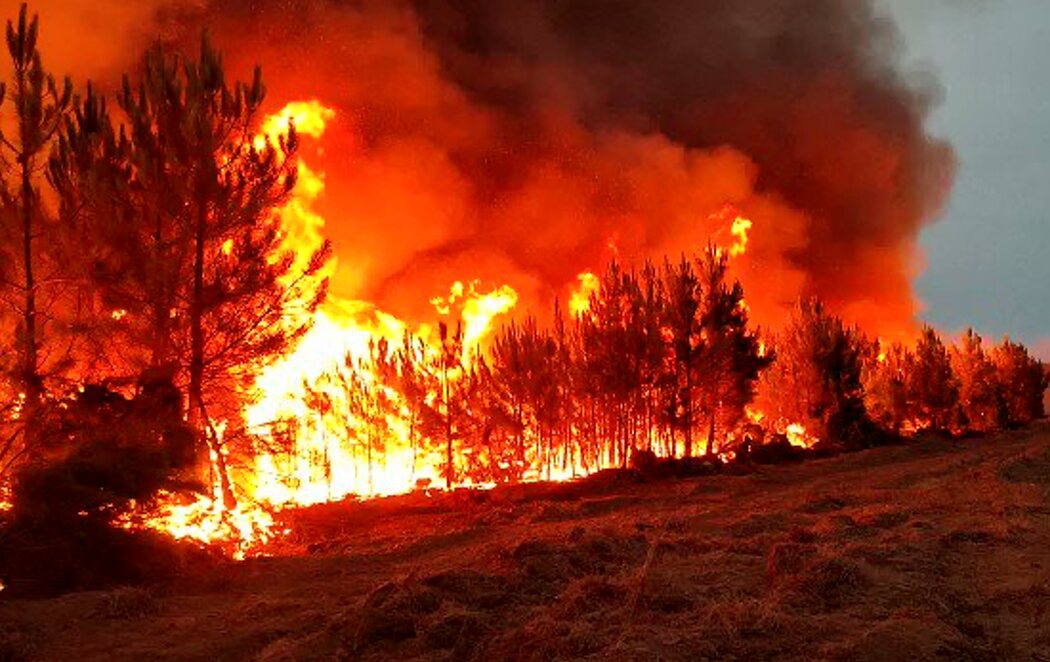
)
(688, 412)
(31, 382)
(711, 433)
(196, 389)
(448, 429)
(161, 313)
(198, 419)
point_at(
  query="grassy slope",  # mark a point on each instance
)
(938, 550)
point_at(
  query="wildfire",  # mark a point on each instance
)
(309, 118)
(328, 426)
(796, 433)
(580, 299)
(205, 520)
(740, 228)
(476, 310)
(798, 436)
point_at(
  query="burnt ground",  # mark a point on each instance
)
(935, 550)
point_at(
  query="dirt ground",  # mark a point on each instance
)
(935, 550)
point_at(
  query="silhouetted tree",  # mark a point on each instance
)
(28, 274)
(411, 379)
(682, 321)
(196, 247)
(816, 379)
(730, 358)
(981, 406)
(612, 338)
(886, 376)
(932, 388)
(445, 416)
(1023, 381)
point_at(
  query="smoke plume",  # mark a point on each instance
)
(524, 141)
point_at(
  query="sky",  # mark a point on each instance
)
(987, 261)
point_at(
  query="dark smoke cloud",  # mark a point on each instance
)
(811, 90)
(523, 141)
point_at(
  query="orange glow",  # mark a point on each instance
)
(328, 421)
(795, 432)
(477, 310)
(580, 299)
(797, 435)
(740, 228)
(205, 520)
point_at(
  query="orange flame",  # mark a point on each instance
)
(580, 299)
(309, 457)
(739, 230)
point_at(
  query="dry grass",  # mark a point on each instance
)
(935, 551)
(128, 602)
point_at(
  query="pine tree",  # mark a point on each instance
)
(730, 357)
(412, 383)
(27, 273)
(681, 319)
(886, 375)
(931, 385)
(612, 337)
(445, 417)
(1023, 381)
(981, 406)
(510, 371)
(817, 377)
(197, 249)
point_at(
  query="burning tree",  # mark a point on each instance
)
(355, 404)
(189, 247)
(30, 284)
(981, 406)
(817, 377)
(1023, 380)
(730, 356)
(886, 376)
(933, 390)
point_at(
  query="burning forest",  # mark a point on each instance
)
(430, 246)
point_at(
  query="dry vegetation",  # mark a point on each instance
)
(935, 550)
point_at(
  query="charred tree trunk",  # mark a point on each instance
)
(210, 456)
(687, 412)
(711, 432)
(196, 368)
(448, 427)
(161, 315)
(31, 380)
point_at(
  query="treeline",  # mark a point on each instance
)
(665, 360)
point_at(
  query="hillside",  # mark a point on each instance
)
(935, 550)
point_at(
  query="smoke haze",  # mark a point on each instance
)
(523, 142)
